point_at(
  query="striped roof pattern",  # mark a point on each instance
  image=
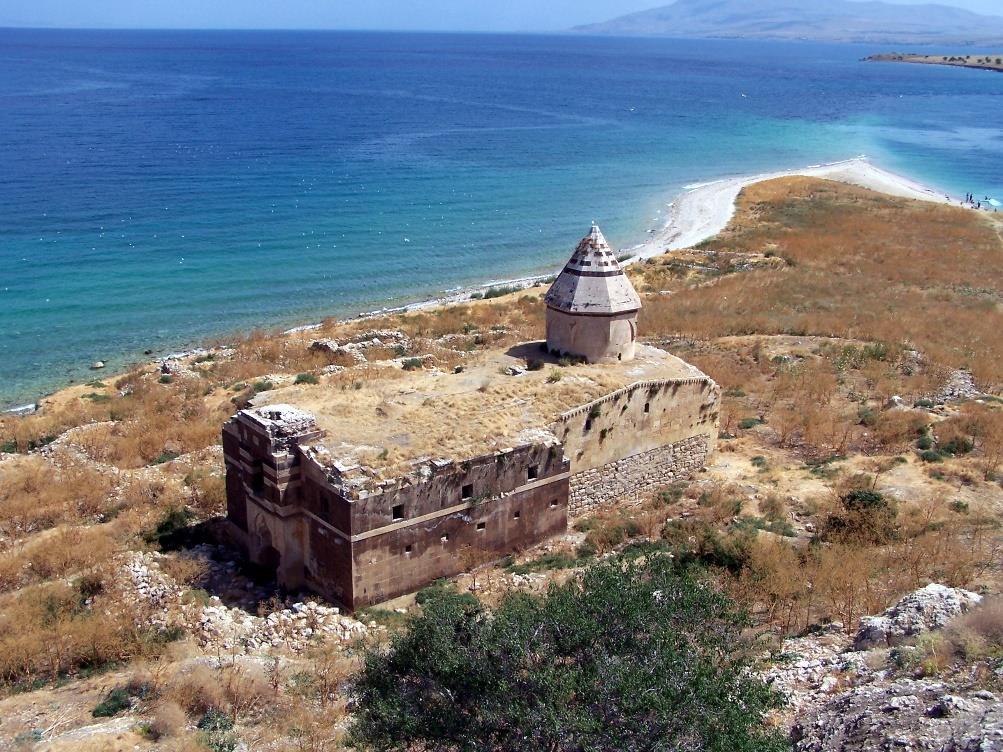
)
(593, 282)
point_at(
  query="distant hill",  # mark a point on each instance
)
(831, 21)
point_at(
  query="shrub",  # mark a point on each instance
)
(534, 364)
(498, 292)
(924, 442)
(931, 455)
(264, 385)
(306, 378)
(666, 668)
(412, 364)
(555, 375)
(957, 445)
(166, 379)
(747, 423)
(759, 461)
(114, 703)
(867, 517)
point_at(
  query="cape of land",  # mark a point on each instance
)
(835, 21)
(855, 335)
(985, 61)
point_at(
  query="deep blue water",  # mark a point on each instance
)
(157, 188)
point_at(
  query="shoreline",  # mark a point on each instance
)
(700, 211)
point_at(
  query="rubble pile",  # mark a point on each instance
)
(218, 626)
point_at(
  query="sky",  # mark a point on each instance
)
(442, 15)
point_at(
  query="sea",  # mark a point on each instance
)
(158, 189)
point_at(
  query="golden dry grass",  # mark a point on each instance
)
(860, 265)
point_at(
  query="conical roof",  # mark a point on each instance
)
(592, 281)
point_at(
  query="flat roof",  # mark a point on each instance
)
(389, 425)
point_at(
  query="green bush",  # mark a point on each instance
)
(747, 423)
(262, 386)
(760, 462)
(958, 506)
(166, 379)
(867, 517)
(306, 378)
(497, 292)
(114, 703)
(412, 364)
(867, 417)
(215, 729)
(931, 455)
(665, 668)
(925, 403)
(958, 445)
(924, 442)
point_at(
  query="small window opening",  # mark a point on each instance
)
(518, 514)
(481, 525)
(588, 424)
(534, 472)
(398, 513)
(553, 502)
(257, 477)
(467, 492)
(619, 356)
(647, 407)
(408, 549)
(445, 538)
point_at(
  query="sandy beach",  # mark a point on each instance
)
(703, 210)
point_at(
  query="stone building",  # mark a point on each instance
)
(592, 306)
(364, 495)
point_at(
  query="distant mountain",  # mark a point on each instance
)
(830, 21)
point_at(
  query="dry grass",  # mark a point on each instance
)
(860, 266)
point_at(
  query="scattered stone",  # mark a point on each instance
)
(97, 365)
(960, 385)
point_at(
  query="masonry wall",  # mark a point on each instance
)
(630, 476)
(638, 438)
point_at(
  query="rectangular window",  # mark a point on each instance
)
(534, 472)
(517, 514)
(481, 525)
(408, 549)
(553, 502)
(647, 407)
(257, 477)
(467, 492)
(445, 538)
(588, 424)
(398, 513)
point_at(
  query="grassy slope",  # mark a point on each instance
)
(803, 309)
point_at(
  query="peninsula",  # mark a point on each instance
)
(989, 61)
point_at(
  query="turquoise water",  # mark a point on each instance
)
(159, 188)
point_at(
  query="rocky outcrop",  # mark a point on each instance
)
(922, 611)
(846, 694)
(907, 714)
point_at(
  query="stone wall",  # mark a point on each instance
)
(627, 477)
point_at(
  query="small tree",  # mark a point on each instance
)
(625, 656)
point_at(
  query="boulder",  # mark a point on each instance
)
(97, 365)
(924, 610)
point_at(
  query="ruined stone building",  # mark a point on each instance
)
(366, 495)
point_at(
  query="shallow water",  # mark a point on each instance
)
(157, 188)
